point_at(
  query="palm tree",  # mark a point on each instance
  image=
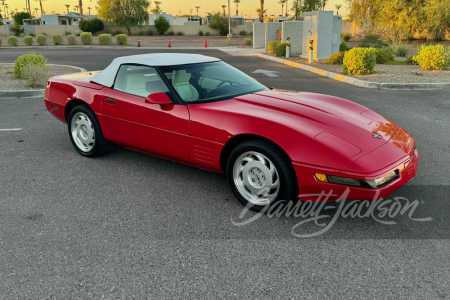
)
(338, 6)
(76, 8)
(261, 11)
(258, 10)
(287, 8)
(237, 6)
(324, 2)
(282, 2)
(223, 7)
(67, 7)
(89, 8)
(40, 3)
(197, 7)
(80, 4)
(36, 10)
(157, 9)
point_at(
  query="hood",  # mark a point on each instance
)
(346, 127)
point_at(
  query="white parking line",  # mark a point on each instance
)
(11, 129)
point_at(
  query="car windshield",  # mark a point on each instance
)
(208, 82)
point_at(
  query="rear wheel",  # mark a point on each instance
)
(85, 132)
(260, 175)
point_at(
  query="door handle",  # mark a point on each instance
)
(110, 100)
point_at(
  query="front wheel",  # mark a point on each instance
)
(85, 132)
(260, 175)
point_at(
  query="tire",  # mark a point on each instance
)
(85, 132)
(261, 175)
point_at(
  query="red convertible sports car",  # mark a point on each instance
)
(272, 144)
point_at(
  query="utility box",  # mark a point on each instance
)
(324, 29)
(293, 30)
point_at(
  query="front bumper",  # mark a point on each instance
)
(311, 189)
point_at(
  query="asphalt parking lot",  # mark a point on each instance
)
(129, 225)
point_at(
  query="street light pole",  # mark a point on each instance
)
(229, 19)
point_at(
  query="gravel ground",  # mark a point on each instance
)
(9, 83)
(390, 73)
(154, 41)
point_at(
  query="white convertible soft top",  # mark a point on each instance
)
(107, 76)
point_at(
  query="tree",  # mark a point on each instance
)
(220, 23)
(311, 5)
(124, 12)
(40, 4)
(162, 25)
(80, 4)
(92, 25)
(67, 7)
(261, 11)
(237, 6)
(223, 7)
(76, 8)
(282, 2)
(324, 2)
(197, 8)
(20, 16)
(338, 6)
(287, 8)
(89, 9)
(258, 10)
(297, 9)
(157, 10)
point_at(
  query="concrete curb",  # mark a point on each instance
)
(30, 93)
(358, 82)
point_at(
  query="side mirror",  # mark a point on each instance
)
(158, 98)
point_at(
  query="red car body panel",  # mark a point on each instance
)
(319, 133)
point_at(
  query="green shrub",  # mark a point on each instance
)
(433, 57)
(36, 75)
(439, 36)
(141, 32)
(384, 55)
(26, 60)
(359, 61)
(1, 22)
(86, 38)
(220, 23)
(162, 25)
(410, 61)
(280, 50)
(346, 37)
(343, 46)
(207, 33)
(117, 32)
(149, 32)
(71, 39)
(248, 41)
(28, 40)
(200, 33)
(272, 46)
(121, 39)
(44, 34)
(228, 41)
(242, 33)
(41, 39)
(171, 33)
(373, 41)
(105, 39)
(17, 30)
(57, 39)
(1, 41)
(400, 50)
(336, 58)
(92, 25)
(67, 33)
(180, 33)
(31, 34)
(13, 40)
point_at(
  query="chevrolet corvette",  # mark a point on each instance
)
(272, 144)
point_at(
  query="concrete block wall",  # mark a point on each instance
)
(294, 30)
(259, 36)
(271, 32)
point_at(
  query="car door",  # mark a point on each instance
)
(131, 122)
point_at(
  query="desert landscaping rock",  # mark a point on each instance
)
(9, 83)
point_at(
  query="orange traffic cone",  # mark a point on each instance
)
(206, 44)
(139, 43)
(170, 45)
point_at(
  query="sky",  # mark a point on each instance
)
(246, 7)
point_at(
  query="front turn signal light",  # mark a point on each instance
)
(321, 177)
